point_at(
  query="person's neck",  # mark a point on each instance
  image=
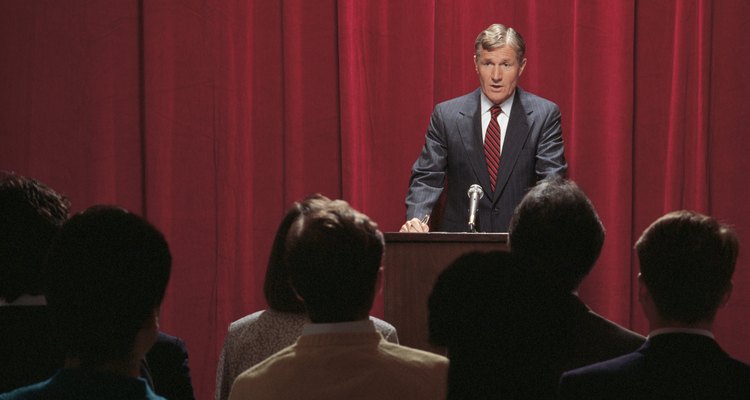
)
(336, 321)
(328, 319)
(667, 324)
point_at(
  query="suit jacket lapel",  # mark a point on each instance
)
(469, 127)
(516, 136)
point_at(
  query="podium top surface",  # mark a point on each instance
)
(456, 237)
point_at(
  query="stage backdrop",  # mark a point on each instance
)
(211, 117)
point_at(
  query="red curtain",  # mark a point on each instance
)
(210, 117)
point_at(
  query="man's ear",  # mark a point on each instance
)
(727, 294)
(379, 282)
(157, 313)
(643, 294)
(296, 293)
(522, 66)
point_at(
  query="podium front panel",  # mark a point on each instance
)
(412, 263)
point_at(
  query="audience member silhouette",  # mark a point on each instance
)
(556, 233)
(334, 258)
(255, 337)
(687, 260)
(107, 273)
(497, 327)
(31, 213)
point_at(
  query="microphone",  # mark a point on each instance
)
(475, 193)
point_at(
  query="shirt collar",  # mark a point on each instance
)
(691, 331)
(339, 327)
(486, 104)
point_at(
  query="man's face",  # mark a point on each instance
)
(498, 71)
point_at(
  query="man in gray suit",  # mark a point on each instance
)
(498, 136)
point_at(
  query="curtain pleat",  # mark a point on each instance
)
(211, 117)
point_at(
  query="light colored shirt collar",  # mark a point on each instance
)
(26, 300)
(486, 104)
(691, 331)
(339, 327)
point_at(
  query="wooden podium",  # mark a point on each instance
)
(412, 263)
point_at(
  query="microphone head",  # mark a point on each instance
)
(475, 190)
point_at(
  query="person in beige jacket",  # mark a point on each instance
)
(334, 257)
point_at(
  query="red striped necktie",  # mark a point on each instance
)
(492, 145)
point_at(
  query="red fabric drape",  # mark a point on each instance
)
(210, 117)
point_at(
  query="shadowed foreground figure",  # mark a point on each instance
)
(498, 328)
(31, 213)
(108, 270)
(556, 233)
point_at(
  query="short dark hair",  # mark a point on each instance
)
(31, 213)
(277, 289)
(557, 230)
(334, 255)
(108, 270)
(687, 261)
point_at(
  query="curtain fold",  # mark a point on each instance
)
(211, 117)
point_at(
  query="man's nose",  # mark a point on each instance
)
(497, 74)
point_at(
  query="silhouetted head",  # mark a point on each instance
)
(108, 270)
(334, 256)
(556, 230)
(31, 213)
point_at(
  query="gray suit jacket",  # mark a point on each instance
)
(453, 157)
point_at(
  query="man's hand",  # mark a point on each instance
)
(415, 225)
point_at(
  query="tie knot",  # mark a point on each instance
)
(495, 110)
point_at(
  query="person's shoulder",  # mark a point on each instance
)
(275, 361)
(259, 320)
(739, 367)
(31, 392)
(246, 320)
(610, 332)
(412, 355)
(613, 367)
(169, 340)
(385, 328)
(468, 100)
(607, 379)
(167, 348)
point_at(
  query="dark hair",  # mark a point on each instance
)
(277, 289)
(31, 213)
(687, 261)
(333, 257)
(108, 270)
(556, 229)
